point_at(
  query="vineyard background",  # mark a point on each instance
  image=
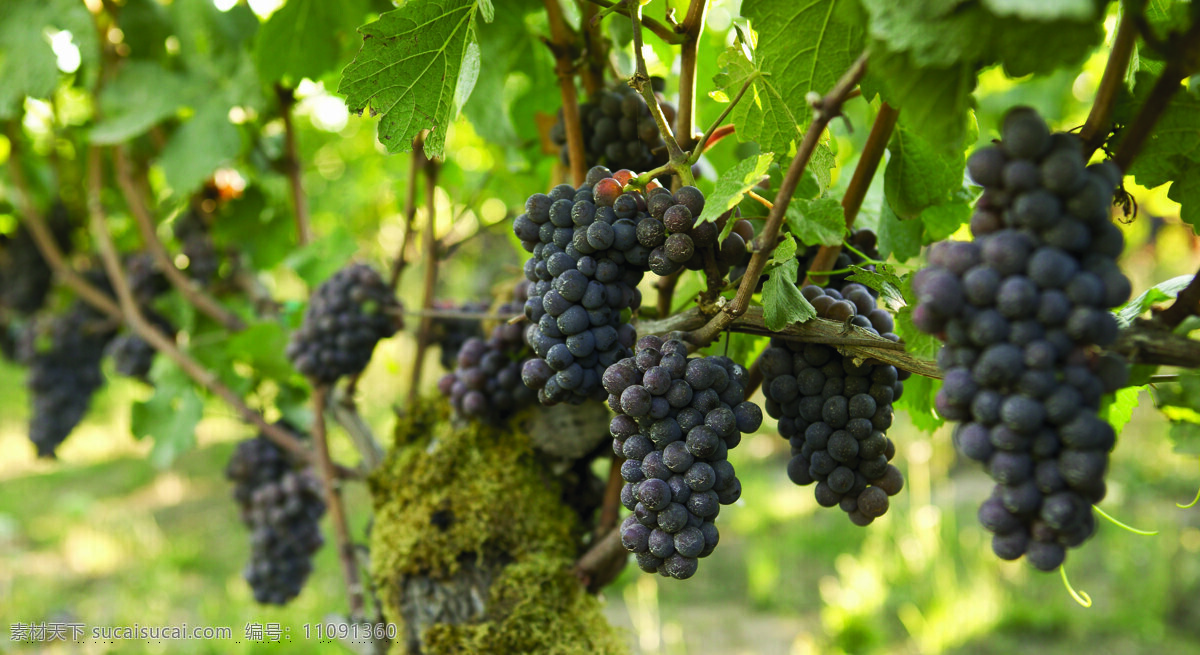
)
(121, 531)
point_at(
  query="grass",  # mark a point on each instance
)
(104, 538)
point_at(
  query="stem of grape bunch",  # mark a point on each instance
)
(641, 82)
(825, 109)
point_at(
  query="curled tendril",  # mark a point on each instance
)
(1080, 597)
(1144, 533)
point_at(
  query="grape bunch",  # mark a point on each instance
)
(591, 246)
(131, 354)
(618, 131)
(25, 275)
(192, 232)
(1022, 310)
(63, 376)
(346, 316)
(835, 412)
(451, 333)
(676, 420)
(282, 506)
(486, 384)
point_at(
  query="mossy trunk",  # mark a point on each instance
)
(472, 545)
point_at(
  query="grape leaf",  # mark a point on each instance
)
(146, 27)
(783, 304)
(934, 102)
(28, 66)
(832, 39)
(883, 280)
(820, 221)
(943, 220)
(302, 39)
(141, 95)
(1118, 408)
(204, 143)
(169, 416)
(897, 238)
(919, 175)
(409, 69)
(917, 402)
(506, 47)
(732, 186)
(262, 346)
(1162, 291)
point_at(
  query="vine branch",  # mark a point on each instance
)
(1098, 123)
(564, 67)
(195, 296)
(291, 165)
(860, 182)
(663, 32)
(693, 27)
(825, 110)
(337, 510)
(410, 209)
(641, 83)
(429, 241)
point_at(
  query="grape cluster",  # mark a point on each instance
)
(25, 277)
(835, 412)
(132, 355)
(1022, 309)
(346, 316)
(451, 333)
(591, 247)
(197, 245)
(486, 384)
(282, 507)
(618, 131)
(63, 376)
(676, 420)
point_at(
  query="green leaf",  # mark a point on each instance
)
(732, 186)
(262, 346)
(918, 174)
(169, 416)
(883, 280)
(934, 101)
(783, 304)
(28, 66)
(141, 95)
(1162, 291)
(416, 67)
(821, 221)
(897, 238)
(1185, 436)
(943, 220)
(917, 342)
(204, 143)
(917, 402)
(321, 258)
(486, 10)
(775, 112)
(1118, 408)
(509, 53)
(302, 39)
(146, 26)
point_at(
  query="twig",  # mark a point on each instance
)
(610, 510)
(760, 200)
(662, 31)
(825, 110)
(1096, 128)
(1186, 304)
(666, 292)
(849, 340)
(720, 133)
(1147, 342)
(128, 312)
(191, 292)
(856, 190)
(337, 511)
(598, 562)
(564, 67)
(410, 209)
(693, 28)
(429, 241)
(345, 412)
(712, 129)
(291, 165)
(641, 82)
